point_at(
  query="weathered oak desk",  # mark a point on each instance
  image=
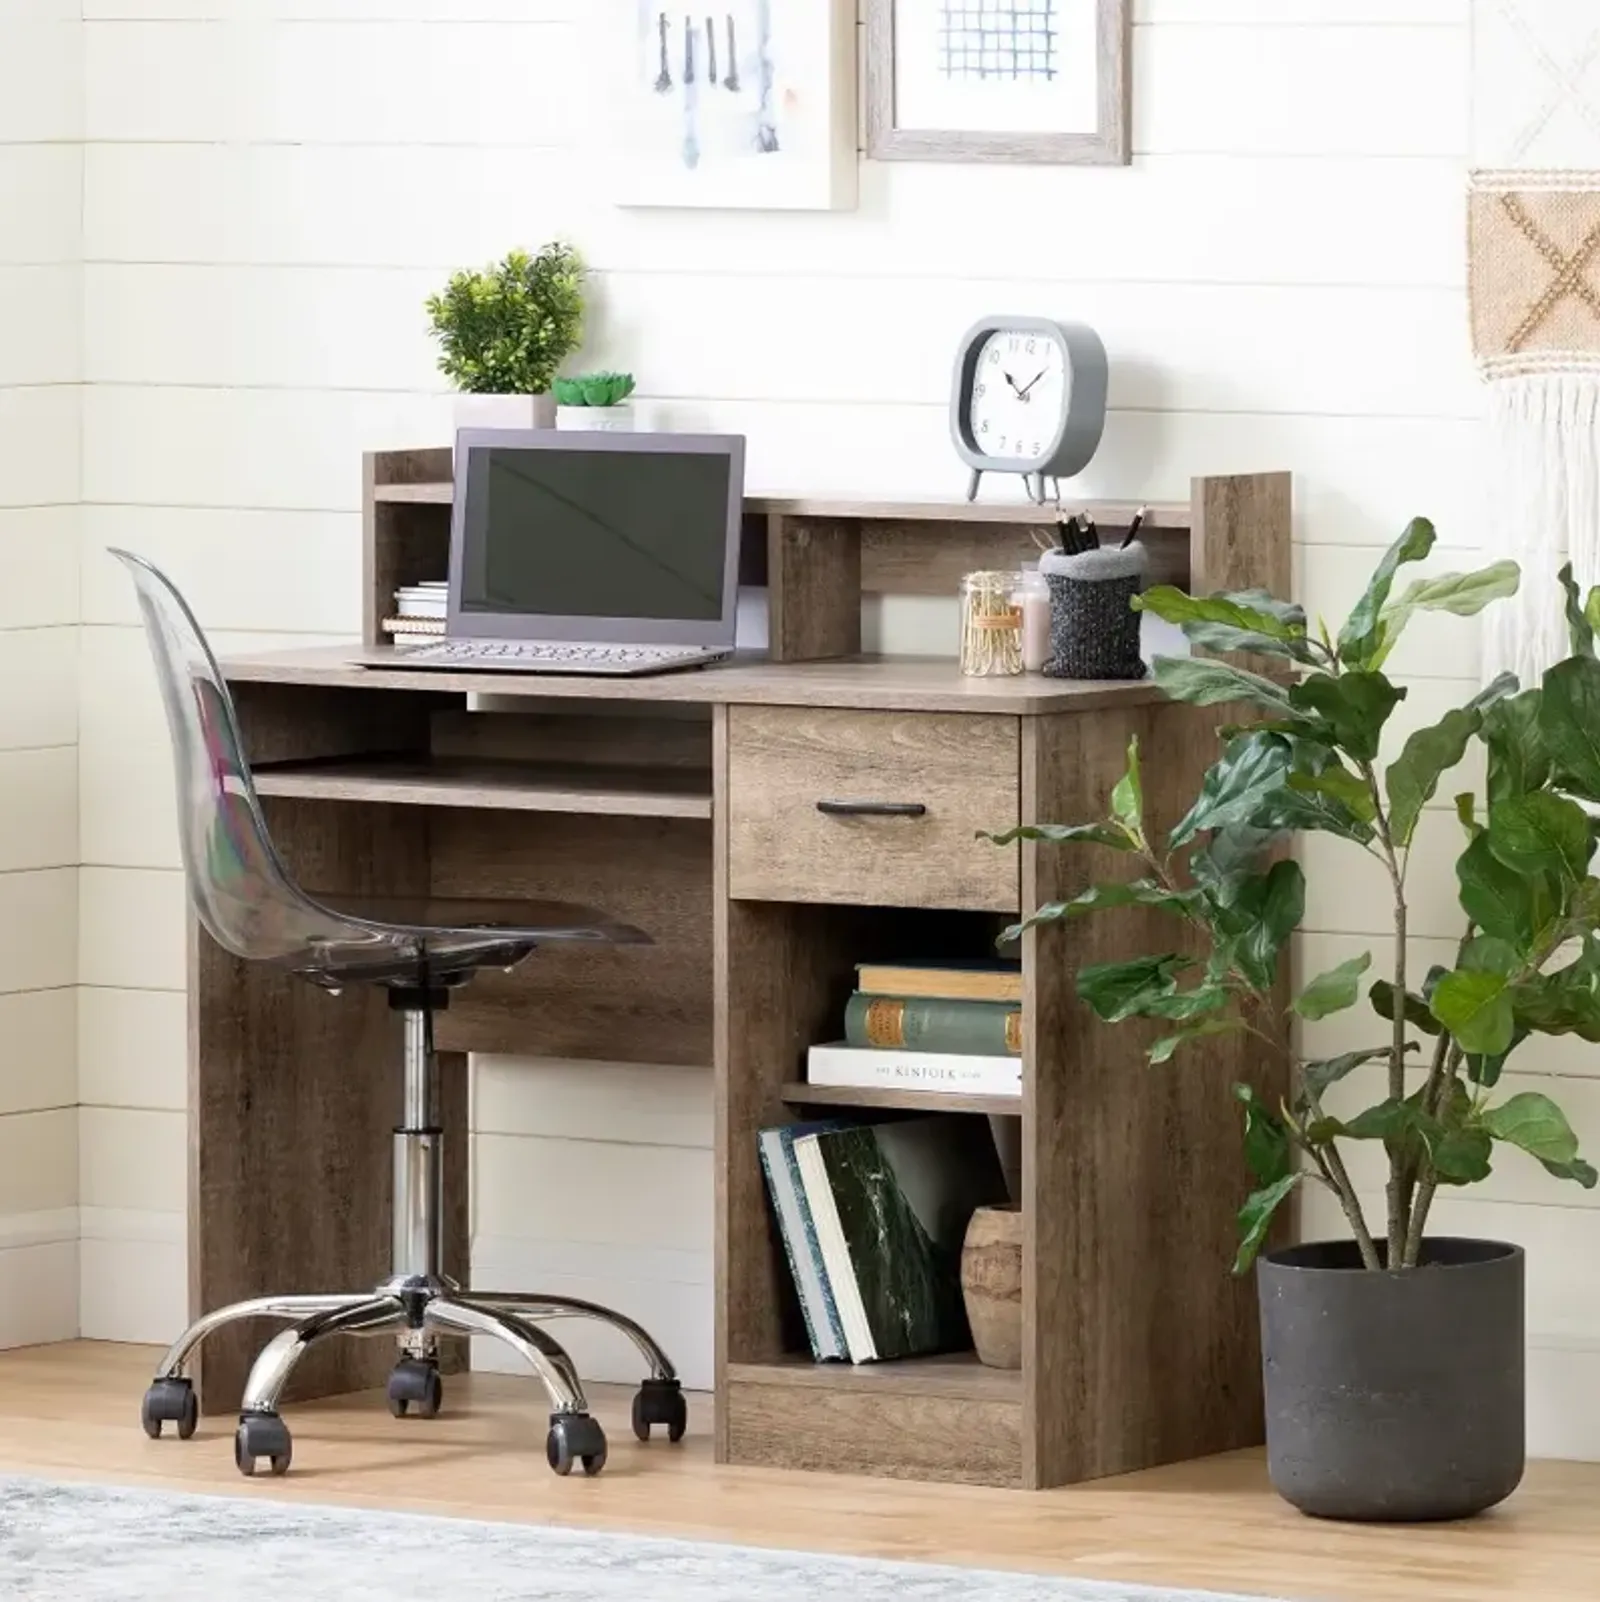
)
(687, 804)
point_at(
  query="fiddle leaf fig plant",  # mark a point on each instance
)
(1308, 760)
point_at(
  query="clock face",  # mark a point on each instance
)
(1019, 395)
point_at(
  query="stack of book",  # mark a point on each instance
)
(872, 1218)
(420, 612)
(950, 1027)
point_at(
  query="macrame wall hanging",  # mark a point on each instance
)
(1534, 282)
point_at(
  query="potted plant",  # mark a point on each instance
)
(503, 333)
(1393, 1360)
(596, 401)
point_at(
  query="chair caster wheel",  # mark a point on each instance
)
(415, 1383)
(660, 1401)
(262, 1435)
(575, 1438)
(169, 1401)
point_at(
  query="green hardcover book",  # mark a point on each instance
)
(904, 1193)
(918, 1023)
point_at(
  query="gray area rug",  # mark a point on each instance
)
(91, 1543)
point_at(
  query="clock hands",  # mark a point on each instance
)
(1013, 383)
(1022, 394)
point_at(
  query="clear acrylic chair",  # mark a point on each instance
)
(247, 901)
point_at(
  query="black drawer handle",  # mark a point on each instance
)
(873, 809)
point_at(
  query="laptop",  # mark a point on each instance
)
(591, 553)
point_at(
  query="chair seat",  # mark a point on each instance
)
(440, 940)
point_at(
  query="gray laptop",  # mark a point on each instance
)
(591, 553)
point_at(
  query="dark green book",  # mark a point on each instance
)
(923, 1023)
(892, 1202)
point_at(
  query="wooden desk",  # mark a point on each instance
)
(687, 804)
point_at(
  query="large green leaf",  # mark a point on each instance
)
(1564, 1003)
(1230, 857)
(1339, 784)
(1253, 768)
(1476, 1008)
(1464, 594)
(1104, 834)
(1486, 953)
(1499, 900)
(1416, 1007)
(1462, 1156)
(1316, 1076)
(1414, 775)
(1542, 833)
(1577, 1170)
(1486, 1071)
(1266, 1142)
(1534, 1123)
(1362, 635)
(1254, 927)
(1579, 626)
(1569, 721)
(1165, 1048)
(1104, 897)
(1311, 809)
(1255, 1219)
(1334, 990)
(1248, 622)
(1184, 1006)
(1127, 799)
(1354, 706)
(1207, 682)
(1519, 759)
(1117, 990)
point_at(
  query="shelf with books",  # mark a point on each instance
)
(799, 1094)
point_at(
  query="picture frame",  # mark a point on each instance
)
(945, 77)
(735, 105)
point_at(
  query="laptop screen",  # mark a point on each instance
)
(613, 533)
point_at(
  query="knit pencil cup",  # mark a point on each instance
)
(1094, 631)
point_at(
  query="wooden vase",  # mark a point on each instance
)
(991, 1284)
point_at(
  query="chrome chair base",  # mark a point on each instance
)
(414, 1307)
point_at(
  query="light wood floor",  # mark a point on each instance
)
(72, 1412)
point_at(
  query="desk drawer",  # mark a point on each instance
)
(871, 808)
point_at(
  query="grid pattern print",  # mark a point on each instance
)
(1006, 39)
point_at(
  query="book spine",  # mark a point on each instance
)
(825, 1307)
(911, 1023)
(872, 1068)
(790, 1246)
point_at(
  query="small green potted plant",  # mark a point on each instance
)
(596, 401)
(1393, 1359)
(504, 332)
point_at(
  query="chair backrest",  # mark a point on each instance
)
(240, 889)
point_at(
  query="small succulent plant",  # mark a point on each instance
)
(594, 389)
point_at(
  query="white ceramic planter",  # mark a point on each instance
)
(505, 411)
(596, 419)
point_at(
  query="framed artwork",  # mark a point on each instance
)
(998, 80)
(749, 104)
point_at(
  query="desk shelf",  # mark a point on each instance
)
(956, 1375)
(799, 1094)
(496, 786)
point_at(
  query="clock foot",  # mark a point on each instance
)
(973, 482)
(1036, 489)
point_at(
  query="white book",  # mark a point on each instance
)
(835, 1253)
(953, 1073)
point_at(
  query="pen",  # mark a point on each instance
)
(1134, 527)
(1091, 534)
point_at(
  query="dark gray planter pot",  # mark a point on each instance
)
(1394, 1397)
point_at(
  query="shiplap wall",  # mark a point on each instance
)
(270, 188)
(41, 172)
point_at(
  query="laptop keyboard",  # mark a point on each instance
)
(545, 653)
